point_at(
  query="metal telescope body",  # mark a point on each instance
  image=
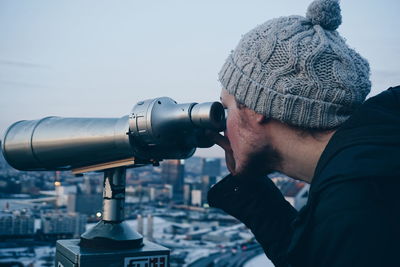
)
(156, 129)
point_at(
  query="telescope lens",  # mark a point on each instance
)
(218, 114)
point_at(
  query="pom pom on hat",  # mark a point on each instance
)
(325, 13)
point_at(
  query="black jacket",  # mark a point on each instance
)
(352, 217)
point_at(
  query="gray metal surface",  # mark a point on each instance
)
(57, 143)
(112, 231)
(156, 129)
(210, 115)
(69, 253)
(114, 195)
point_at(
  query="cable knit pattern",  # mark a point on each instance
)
(298, 70)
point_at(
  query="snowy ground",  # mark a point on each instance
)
(260, 260)
(29, 256)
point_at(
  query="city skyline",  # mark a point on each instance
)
(97, 59)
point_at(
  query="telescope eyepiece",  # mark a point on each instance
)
(160, 125)
(209, 115)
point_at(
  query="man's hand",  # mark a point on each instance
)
(258, 163)
(224, 143)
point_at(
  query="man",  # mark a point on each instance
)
(294, 93)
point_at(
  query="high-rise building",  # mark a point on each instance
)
(16, 223)
(187, 188)
(62, 193)
(211, 167)
(150, 227)
(92, 183)
(173, 173)
(56, 224)
(194, 165)
(196, 197)
(159, 192)
(140, 224)
(206, 183)
(88, 204)
(88, 198)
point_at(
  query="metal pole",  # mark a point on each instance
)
(111, 242)
(112, 232)
(114, 195)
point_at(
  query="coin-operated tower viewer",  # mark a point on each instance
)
(156, 129)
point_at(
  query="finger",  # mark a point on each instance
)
(222, 141)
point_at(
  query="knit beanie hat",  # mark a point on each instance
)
(298, 70)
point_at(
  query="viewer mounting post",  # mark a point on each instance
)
(112, 231)
(111, 242)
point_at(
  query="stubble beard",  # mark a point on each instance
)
(260, 162)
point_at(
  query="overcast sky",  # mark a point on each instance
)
(98, 58)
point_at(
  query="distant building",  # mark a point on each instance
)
(87, 198)
(88, 204)
(140, 224)
(16, 224)
(196, 197)
(173, 173)
(59, 224)
(194, 165)
(187, 189)
(211, 167)
(150, 225)
(224, 168)
(145, 226)
(206, 183)
(137, 194)
(92, 183)
(295, 192)
(301, 198)
(221, 236)
(62, 192)
(192, 231)
(28, 186)
(160, 192)
(198, 234)
(177, 228)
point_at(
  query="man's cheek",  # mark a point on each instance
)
(229, 129)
